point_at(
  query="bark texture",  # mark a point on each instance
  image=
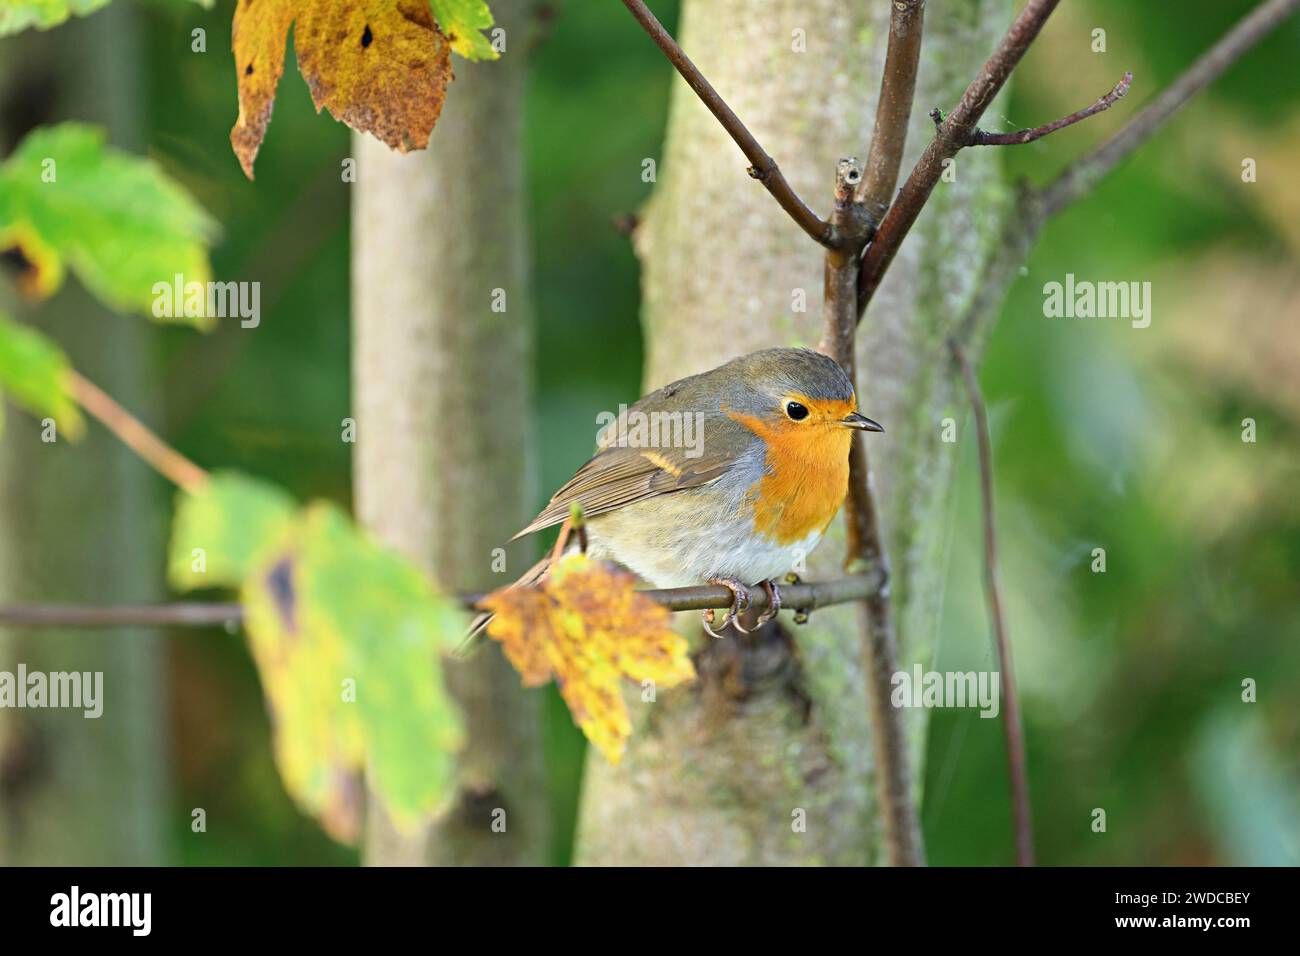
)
(767, 758)
(441, 392)
(80, 523)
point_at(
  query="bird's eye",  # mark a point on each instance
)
(796, 411)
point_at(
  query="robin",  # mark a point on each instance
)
(727, 477)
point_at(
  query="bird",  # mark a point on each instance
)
(727, 477)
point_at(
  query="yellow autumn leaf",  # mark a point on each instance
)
(380, 66)
(346, 637)
(587, 627)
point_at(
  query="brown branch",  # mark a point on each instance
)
(864, 547)
(804, 596)
(122, 615)
(1080, 177)
(894, 109)
(839, 292)
(979, 137)
(164, 459)
(949, 138)
(1012, 727)
(762, 166)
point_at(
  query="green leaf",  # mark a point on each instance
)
(347, 637)
(220, 530)
(17, 15)
(463, 21)
(117, 221)
(34, 373)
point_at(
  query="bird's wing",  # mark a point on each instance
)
(619, 475)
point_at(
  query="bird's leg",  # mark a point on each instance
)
(773, 603)
(740, 598)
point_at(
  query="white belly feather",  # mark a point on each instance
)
(685, 539)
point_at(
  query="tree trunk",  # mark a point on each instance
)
(79, 523)
(767, 758)
(442, 363)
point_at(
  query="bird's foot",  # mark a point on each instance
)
(740, 598)
(773, 604)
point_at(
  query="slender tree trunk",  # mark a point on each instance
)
(79, 523)
(767, 758)
(442, 387)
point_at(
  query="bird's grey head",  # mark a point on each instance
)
(761, 382)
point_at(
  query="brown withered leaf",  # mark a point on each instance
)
(587, 627)
(381, 66)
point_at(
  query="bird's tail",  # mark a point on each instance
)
(476, 627)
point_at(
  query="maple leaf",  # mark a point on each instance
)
(347, 637)
(587, 627)
(380, 66)
(69, 201)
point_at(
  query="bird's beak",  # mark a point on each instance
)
(854, 420)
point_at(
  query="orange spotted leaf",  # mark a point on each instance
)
(381, 66)
(587, 627)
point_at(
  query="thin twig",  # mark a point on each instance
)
(164, 459)
(1080, 177)
(804, 596)
(1012, 727)
(894, 109)
(575, 523)
(762, 166)
(949, 138)
(864, 546)
(122, 615)
(979, 137)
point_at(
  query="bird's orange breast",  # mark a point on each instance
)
(807, 474)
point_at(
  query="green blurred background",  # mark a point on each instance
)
(1103, 436)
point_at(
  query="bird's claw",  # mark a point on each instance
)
(740, 599)
(773, 604)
